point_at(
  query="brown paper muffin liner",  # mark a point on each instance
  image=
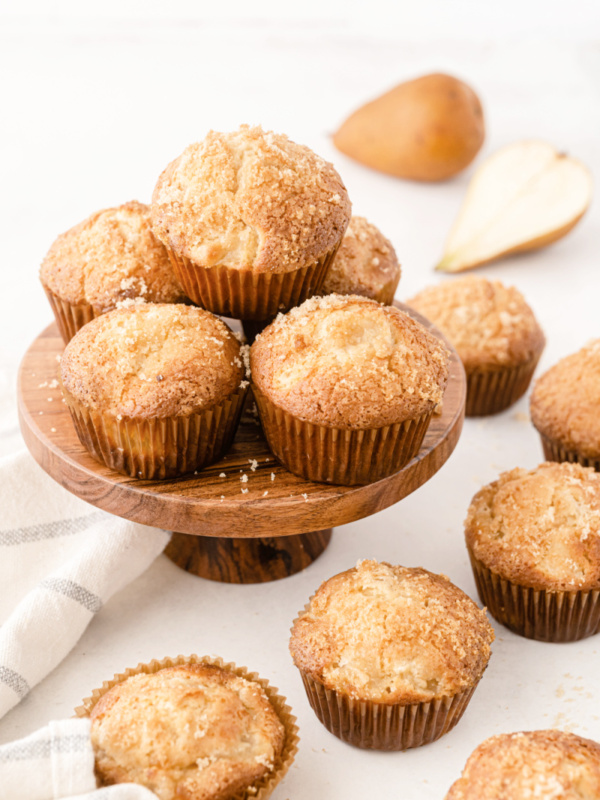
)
(153, 449)
(339, 455)
(491, 390)
(262, 788)
(69, 317)
(536, 613)
(555, 451)
(244, 294)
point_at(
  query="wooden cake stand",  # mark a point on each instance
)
(245, 519)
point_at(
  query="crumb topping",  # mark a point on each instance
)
(349, 362)
(540, 527)
(366, 263)
(392, 634)
(250, 199)
(111, 259)
(565, 402)
(533, 765)
(489, 324)
(194, 731)
(152, 361)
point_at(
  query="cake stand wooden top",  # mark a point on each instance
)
(214, 502)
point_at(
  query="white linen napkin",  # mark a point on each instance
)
(57, 762)
(60, 561)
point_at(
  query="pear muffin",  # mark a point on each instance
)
(390, 655)
(565, 408)
(109, 260)
(346, 387)
(156, 390)
(251, 221)
(193, 728)
(366, 264)
(549, 764)
(534, 541)
(495, 334)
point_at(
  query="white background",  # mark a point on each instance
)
(97, 98)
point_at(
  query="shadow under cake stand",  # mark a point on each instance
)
(245, 519)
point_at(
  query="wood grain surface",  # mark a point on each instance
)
(218, 501)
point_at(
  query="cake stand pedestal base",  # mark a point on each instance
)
(246, 560)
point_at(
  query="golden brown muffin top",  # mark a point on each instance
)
(250, 199)
(540, 527)
(193, 731)
(153, 360)
(365, 264)
(533, 765)
(392, 634)
(349, 362)
(565, 402)
(111, 258)
(489, 324)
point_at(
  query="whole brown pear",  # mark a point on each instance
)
(427, 129)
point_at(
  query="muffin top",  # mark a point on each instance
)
(366, 263)
(549, 765)
(112, 258)
(540, 527)
(193, 731)
(152, 360)
(349, 362)
(489, 324)
(565, 402)
(250, 199)
(392, 634)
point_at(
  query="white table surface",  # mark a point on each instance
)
(96, 102)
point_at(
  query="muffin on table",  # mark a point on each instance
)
(193, 728)
(495, 334)
(111, 259)
(346, 387)
(251, 221)
(531, 764)
(390, 656)
(565, 408)
(156, 390)
(366, 264)
(534, 541)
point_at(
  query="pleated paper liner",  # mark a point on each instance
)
(491, 390)
(536, 613)
(555, 451)
(244, 294)
(384, 726)
(153, 449)
(69, 317)
(339, 455)
(260, 790)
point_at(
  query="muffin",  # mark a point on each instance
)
(155, 391)
(346, 387)
(534, 764)
(111, 259)
(565, 408)
(389, 655)
(366, 264)
(251, 221)
(193, 728)
(534, 541)
(495, 334)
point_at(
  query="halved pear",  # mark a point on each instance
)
(525, 196)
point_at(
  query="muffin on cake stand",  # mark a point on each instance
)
(244, 519)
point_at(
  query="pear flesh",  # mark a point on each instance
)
(523, 197)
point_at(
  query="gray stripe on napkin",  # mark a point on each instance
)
(49, 530)
(74, 591)
(44, 748)
(15, 681)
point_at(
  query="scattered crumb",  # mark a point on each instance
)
(222, 475)
(253, 464)
(52, 430)
(58, 358)
(40, 412)
(305, 496)
(267, 460)
(272, 476)
(244, 478)
(244, 491)
(265, 493)
(50, 399)
(222, 498)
